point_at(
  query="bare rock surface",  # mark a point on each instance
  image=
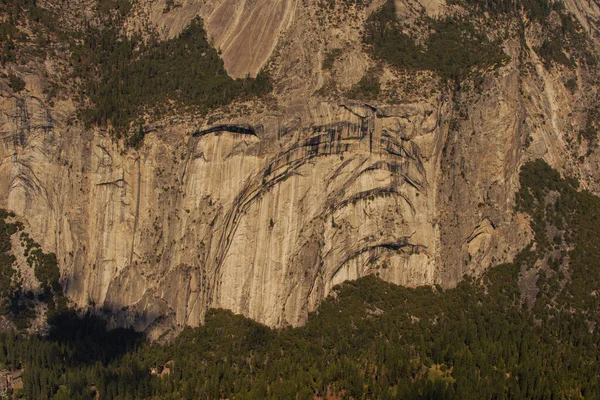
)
(314, 190)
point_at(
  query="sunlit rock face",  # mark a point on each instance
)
(341, 201)
(262, 216)
(262, 207)
(245, 31)
(269, 233)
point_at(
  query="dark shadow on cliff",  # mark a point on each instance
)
(89, 340)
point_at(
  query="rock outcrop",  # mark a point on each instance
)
(266, 207)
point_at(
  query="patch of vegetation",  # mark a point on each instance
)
(330, 4)
(338, 13)
(368, 88)
(125, 77)
(552, 50)
(136, 140)
(120, 7)
(10, 36)
(16, 305)
(16, 15)
(563, 44)
(47, 273)
(16, 83)
(560, 213)
(454, 49)
(537, 10)
(387, 41)
(7, 259)
(170, 5)
(592, 127)
(330, 58)
(571, 84)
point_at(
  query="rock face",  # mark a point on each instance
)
(246, 31)
(264, 210)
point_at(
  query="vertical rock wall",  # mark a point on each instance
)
(264, 210)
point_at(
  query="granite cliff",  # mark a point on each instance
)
(262, 206)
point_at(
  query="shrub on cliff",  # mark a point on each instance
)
(126, 77)
(453, 49)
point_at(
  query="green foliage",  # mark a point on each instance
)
(330, 58)
(453, 50)
(10, 34)
(537, 10)
(16, 83)
(330, 4)
(120, 7)
(571, 84)
(17, 18)
(7, 273)
(568, 37)
(14, 304)
(368, 87)
(46, 268)
(47, 273)
(59, 365)
(374, 340)
(592, 127)
(170, 4)
(137, 139)
(552, 50)
(9, 38)
(123, 77)
(560, 213)
(386, 40)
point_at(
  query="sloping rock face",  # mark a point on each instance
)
(263, 207)
(246, 31)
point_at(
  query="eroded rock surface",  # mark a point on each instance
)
(263, 207)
